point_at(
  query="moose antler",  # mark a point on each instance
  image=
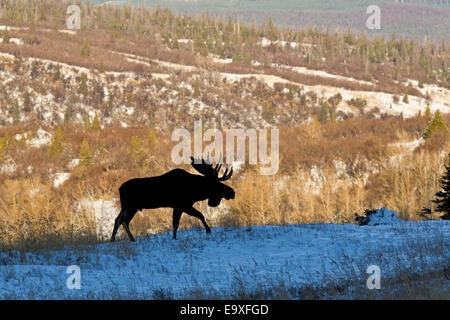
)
(206, 168)
(227, 175)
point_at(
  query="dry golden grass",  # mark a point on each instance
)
(407, 185)
(308, 188)
(32, 216)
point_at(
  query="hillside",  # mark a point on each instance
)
(205, 67)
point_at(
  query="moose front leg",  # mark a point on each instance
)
(176, 220)
(195, 213)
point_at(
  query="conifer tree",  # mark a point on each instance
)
(109, 104)
(15, 111)
(83, 84)
(6, 36)
(443, 196)
(290, 94)
(57, 73)
(323, 113)
(85, 50)
(137, 149)
(56, 147)
(237, 56)
(175, 44)
(68, 114)
(85, 153)
(95, 123)
(27, 101)
(268, 112)
(34, 70)
(437, 124)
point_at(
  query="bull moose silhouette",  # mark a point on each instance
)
(177, 189)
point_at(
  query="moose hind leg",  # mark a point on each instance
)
(195, 213)
(117, 224)
(176, 220)
(128, 215)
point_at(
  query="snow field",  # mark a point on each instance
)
(228, 262)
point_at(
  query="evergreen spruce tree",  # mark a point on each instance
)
(268, 112)
(34, 70)
(95, 123)
(85, 50)
(68, 114)
(56, 147)
(237, 56)
(85, 153)
(109, 105)
(57, 73)
(137, 150)
(15, 111)
(323, 113)
(290, 94)
(437, 124)
(27, 101)
(443, 197)
(175, 44)
(83, 84)
(6, 36)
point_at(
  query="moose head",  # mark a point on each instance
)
(218, 189)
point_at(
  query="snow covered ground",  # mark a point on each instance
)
(229, 261)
